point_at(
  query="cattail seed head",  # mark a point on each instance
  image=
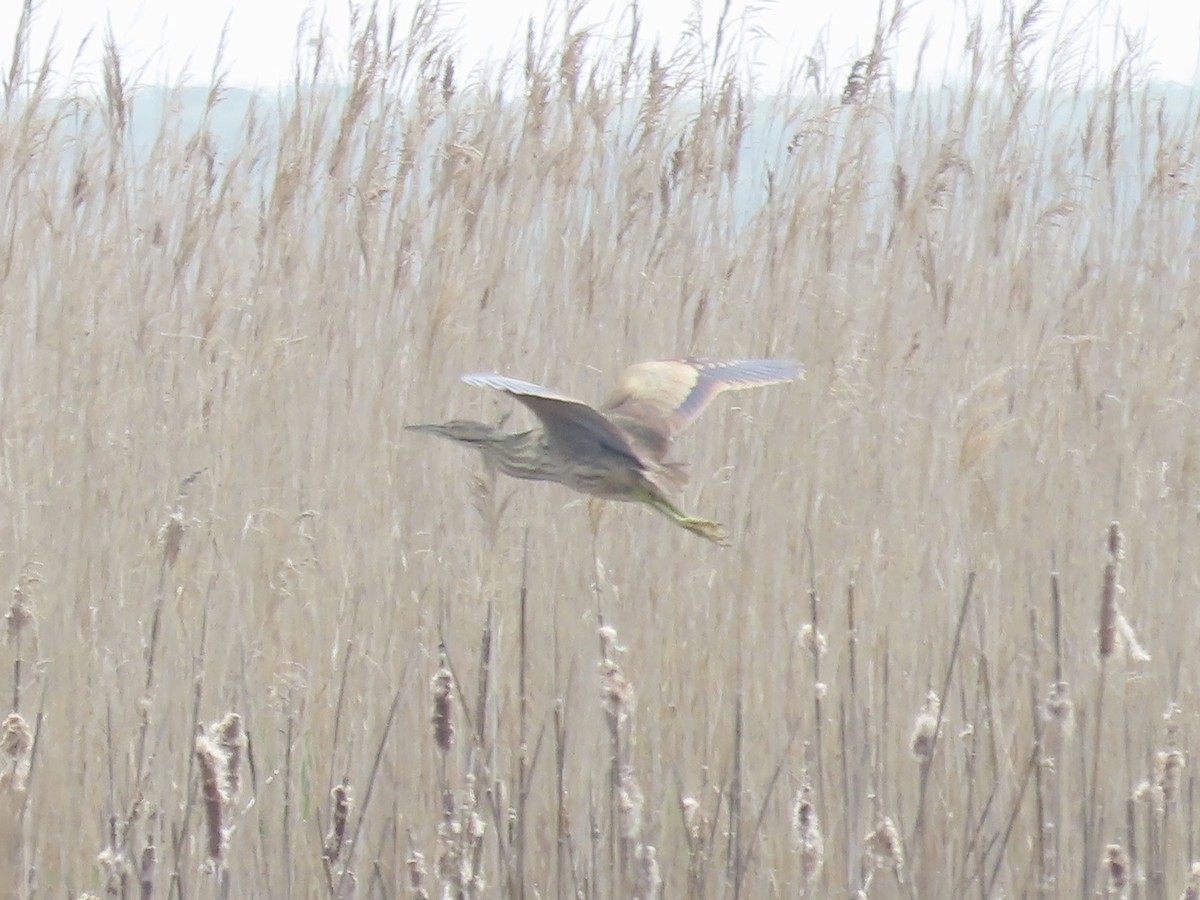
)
(443, 725)
(114, 871)
(1116, 867)
(1107, 632)
(1170, 765)
(16, 742)
(649, 879)
(616, 692)
(19, 615)
(211, 761)
(449, 856)
(608, 641)
(232, 740)
(925, 728)
(698, 833)
(806, 832)
(689, 805)
(476, 826)
(170, 536)
(1116, 542)
(417, 873)
(335, 840)
(1150, 792)
(812, 640)
(1191, 890)
(882, 846)
(1059, 708)
(696, 823)
(630, 803)
(149, 863)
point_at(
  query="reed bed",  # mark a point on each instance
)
(262, 642)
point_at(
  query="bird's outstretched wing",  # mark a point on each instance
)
(572, 422)
(656, 400)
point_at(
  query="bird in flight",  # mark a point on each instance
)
(617, 451)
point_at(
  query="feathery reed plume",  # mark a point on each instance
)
(857, 81)
(1108, 596)
(211, 760)
(806, 832)
(442, 685)
(925, 727)
(335, 840)
(1128, 638)
(1116, 867)
(448, 80)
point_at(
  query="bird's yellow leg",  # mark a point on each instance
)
(703, 527)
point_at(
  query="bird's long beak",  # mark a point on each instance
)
(447, 430)
(431, 428)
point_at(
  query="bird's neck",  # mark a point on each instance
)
(520, 454)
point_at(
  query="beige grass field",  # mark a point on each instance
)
(921, 671)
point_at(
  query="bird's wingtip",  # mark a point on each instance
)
(784, 367)
(769, 370)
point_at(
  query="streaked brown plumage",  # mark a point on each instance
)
(618, 451)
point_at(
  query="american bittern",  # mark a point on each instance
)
(618, 451)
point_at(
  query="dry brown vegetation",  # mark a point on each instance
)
(264, 643)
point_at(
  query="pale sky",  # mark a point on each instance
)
(165, 38)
